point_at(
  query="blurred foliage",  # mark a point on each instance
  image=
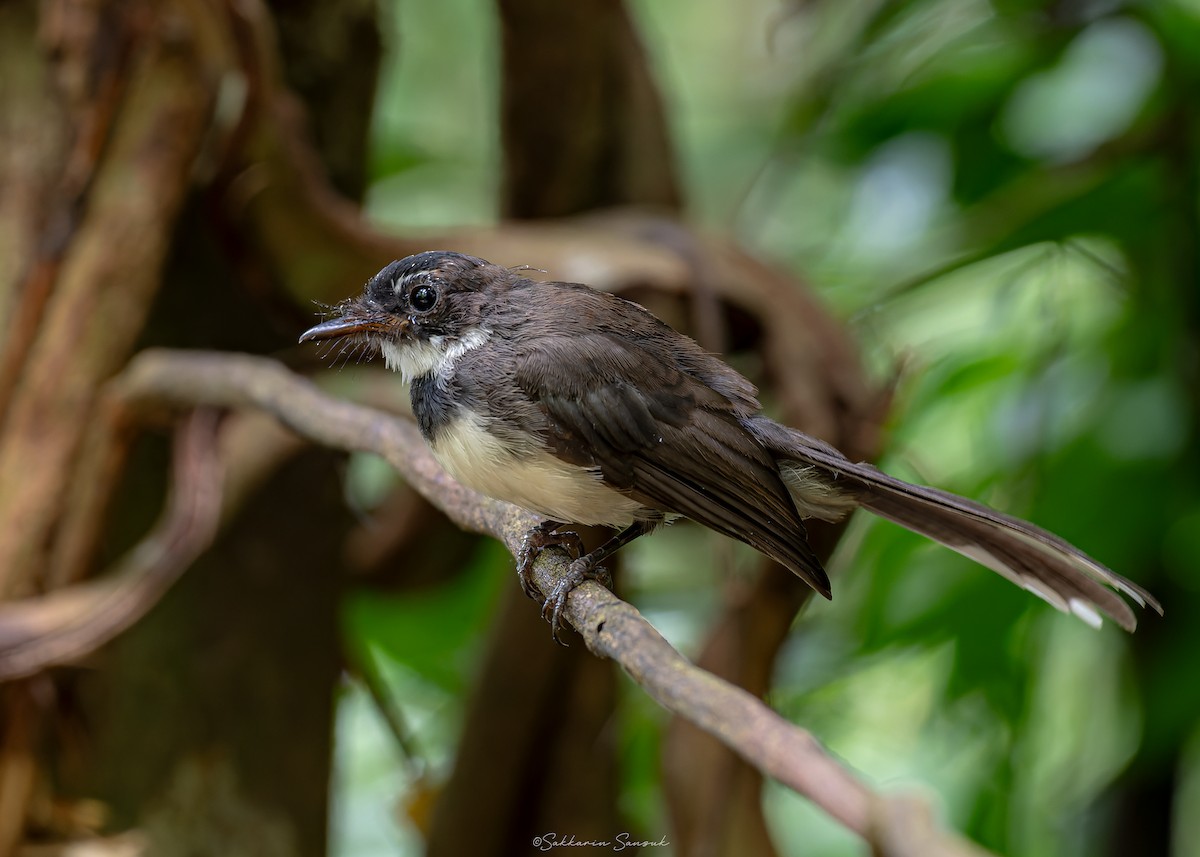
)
(1001, 197)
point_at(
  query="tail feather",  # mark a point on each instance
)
(1034, 559)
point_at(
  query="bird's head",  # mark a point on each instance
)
(418, 311)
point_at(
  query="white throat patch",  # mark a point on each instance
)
(437, 355)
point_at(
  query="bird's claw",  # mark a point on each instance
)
(580, 570)
(538, 538)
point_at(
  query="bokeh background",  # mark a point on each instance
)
(998, 201)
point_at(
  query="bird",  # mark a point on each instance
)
(584, 408)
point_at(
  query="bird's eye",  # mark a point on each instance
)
(423, 298)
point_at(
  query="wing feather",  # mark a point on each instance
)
(663, 437)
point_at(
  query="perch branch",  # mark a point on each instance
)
(609, 627)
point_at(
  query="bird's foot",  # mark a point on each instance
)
(538, 538)
(582, 569)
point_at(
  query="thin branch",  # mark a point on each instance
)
(69, 623)
(609, 627)
(362, 666)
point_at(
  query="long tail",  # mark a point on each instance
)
(1030, 557)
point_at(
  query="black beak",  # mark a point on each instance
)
(357, 317)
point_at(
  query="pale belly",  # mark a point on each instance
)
(534, 479)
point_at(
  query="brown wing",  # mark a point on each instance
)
(662, 436)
